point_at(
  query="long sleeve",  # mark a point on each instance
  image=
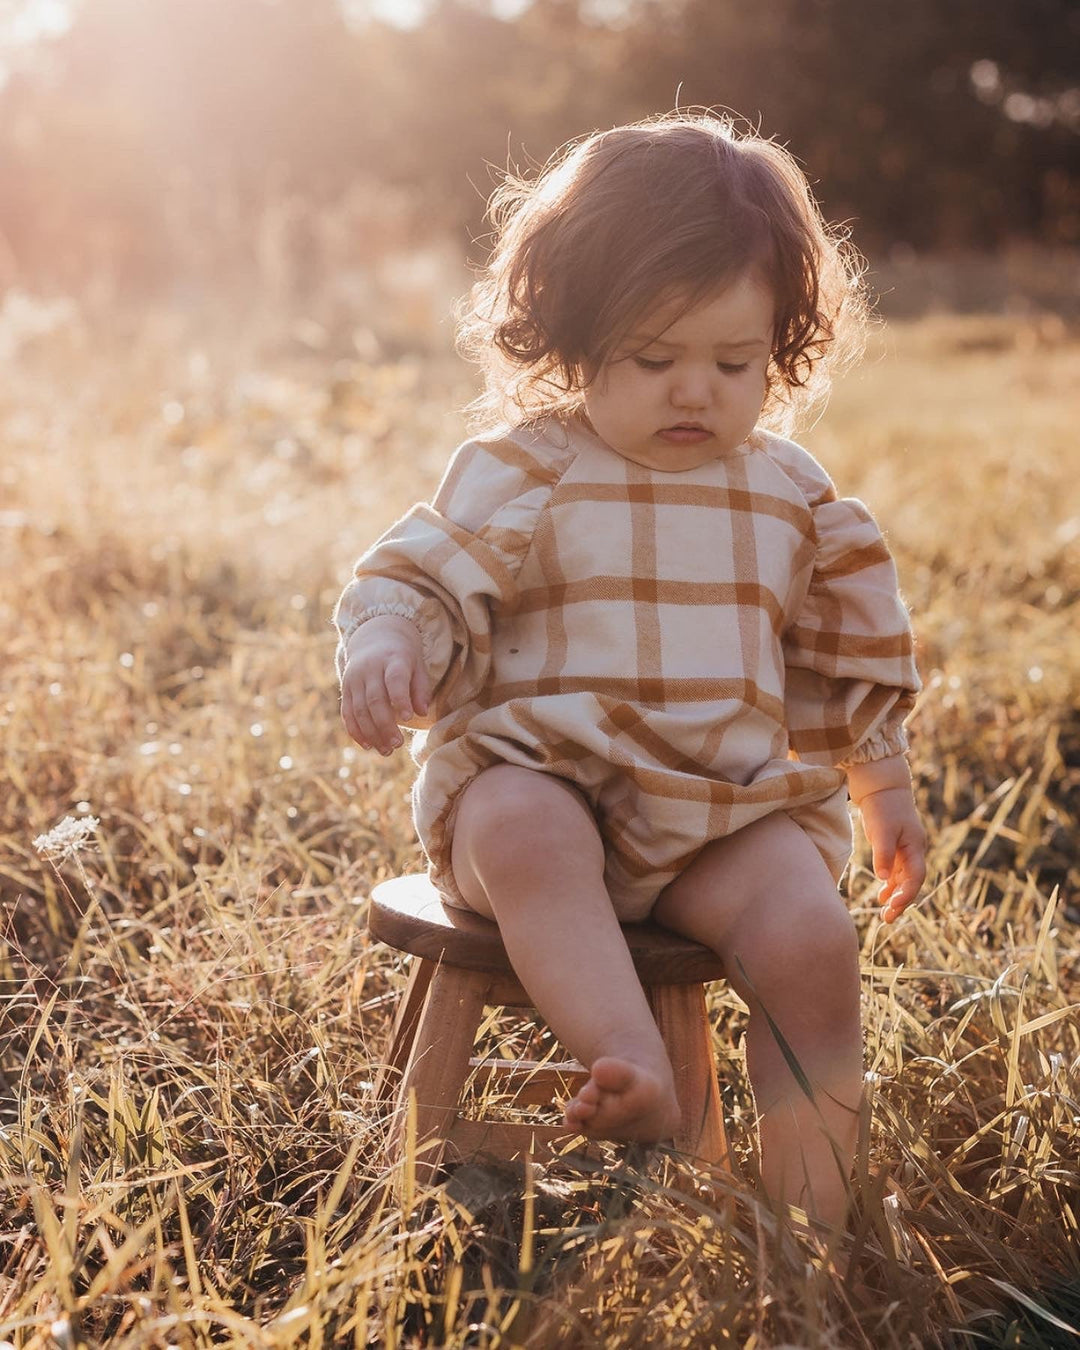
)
(851, 677)
(447, 564)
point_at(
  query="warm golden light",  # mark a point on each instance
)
(232, 233)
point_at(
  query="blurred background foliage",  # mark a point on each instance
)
(170, 147)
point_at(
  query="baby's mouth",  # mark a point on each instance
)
(685, 433)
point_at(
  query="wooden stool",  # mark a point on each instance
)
(461, 967)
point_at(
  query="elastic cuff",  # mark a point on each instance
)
(888, 741)
(391, 607)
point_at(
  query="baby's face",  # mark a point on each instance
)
(684, 390)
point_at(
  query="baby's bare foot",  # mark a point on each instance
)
(623, 1100)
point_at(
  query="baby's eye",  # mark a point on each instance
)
(730, 369)
(646, 364)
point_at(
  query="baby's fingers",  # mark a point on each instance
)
(352, 722)
(421, 688)
(379, 716)
(398, 678)
(905, 881)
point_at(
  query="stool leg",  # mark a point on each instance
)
(388, 1078)
(683, 1021)
(439, 1059)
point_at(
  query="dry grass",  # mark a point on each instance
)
(192, 1013)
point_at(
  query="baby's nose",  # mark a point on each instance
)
(691, 390)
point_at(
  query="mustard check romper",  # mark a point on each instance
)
(693, 650)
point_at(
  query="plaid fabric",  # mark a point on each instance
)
(694, 650)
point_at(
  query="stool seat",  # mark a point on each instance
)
(460, 966)
(408, 913)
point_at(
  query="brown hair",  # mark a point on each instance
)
(681, 203)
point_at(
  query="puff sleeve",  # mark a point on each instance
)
(449, 564)
(849, 652)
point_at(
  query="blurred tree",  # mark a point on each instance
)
(184, 141)
(493, 93)
(878, 100)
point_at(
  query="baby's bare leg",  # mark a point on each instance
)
(764, 898)
(527, 853)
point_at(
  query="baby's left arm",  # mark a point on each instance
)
(883, 793)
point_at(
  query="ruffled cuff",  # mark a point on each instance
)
(428, 639)
(890, 739)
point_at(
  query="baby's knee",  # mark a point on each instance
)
(514, 817)
(814, 966)
(805, 935)
(809, 990)
(829, 943)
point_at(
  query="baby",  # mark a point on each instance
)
(646, 651)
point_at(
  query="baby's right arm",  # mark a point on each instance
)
(415, 622)
(385, 681)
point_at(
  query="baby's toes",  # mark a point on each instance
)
(588, 1093)
(578, 1112)
(584, 1105)
(611, 1075)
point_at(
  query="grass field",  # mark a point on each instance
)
(192, 1013)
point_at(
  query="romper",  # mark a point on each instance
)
(692, 650)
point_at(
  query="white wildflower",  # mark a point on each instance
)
(66, 839)
(61, 1333)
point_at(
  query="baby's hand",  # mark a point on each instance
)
(898, 842)
(385, 682)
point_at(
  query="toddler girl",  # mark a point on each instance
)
(645, 650)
